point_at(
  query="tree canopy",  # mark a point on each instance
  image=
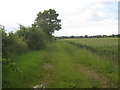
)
(48, 21)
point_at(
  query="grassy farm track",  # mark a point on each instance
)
(61, 65)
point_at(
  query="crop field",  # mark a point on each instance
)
(67, 63)
(103, 46)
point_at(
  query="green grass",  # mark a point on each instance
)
(103, 46)
(61, 65)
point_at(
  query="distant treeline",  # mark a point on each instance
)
(86, 36)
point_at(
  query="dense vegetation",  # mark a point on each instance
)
(35, 37)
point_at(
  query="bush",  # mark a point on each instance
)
(12, 45)
(36, 39)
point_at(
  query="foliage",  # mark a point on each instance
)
(34, 37)
(86, 36)
(12, 45)
(41, 31)
(48, 21)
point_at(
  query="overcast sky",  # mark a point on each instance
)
(79, 17)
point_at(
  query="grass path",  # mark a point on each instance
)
(63, 71)
(60, 66)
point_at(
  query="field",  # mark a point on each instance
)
(67, 63)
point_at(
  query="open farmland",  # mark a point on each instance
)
(102, 46)
(68, 63)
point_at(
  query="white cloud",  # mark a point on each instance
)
(79, 17)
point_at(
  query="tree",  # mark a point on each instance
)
(48, 21)
(86, 36)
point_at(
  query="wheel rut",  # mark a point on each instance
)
(104, 80)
